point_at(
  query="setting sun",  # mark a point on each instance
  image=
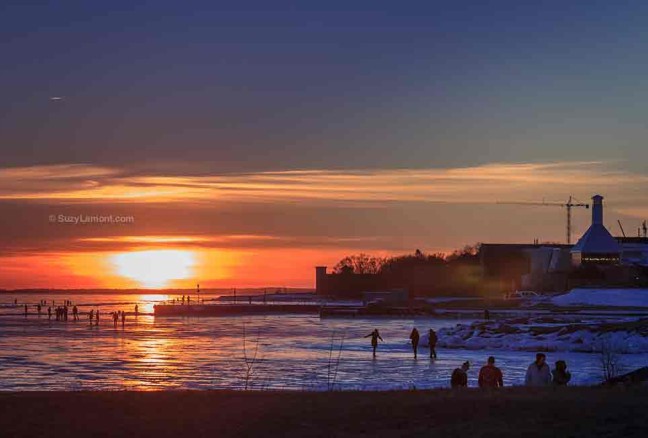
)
(155, 268)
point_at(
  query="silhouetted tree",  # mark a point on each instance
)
(359, 264)
(469, 254)
(401, 264)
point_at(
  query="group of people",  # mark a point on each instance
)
(61, 312)
(116, 316)
(490, 376)
(415, 338)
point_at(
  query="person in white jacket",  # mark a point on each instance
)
(538, 373)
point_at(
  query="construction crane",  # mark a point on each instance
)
(571, 203)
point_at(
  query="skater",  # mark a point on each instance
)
(374, 335)
(414, 337)
(490, 376)
(561, 376)
(432, 341)
(459, 377)
(538, 373)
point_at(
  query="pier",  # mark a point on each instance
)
(234, 309)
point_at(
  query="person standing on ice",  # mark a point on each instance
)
(490, 376)
(459, 378)
(414, 336)
(561, 376)
(432, 341)
(375, 335)
(538, 373)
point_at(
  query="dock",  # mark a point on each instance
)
(234, 309)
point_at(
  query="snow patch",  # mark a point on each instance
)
(603, 297)
(541, 334)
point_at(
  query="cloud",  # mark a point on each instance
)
(479, 184)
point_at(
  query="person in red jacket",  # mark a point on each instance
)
(490, 376)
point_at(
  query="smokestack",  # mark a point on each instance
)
(597, 210)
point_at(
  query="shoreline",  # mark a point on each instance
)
(509, 412)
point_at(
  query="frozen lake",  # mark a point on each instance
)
(207, 353)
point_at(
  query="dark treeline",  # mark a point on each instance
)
(458, 273)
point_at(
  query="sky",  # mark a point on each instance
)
(244, 143)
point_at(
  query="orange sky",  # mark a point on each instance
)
(272, 228)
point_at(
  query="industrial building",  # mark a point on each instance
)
(597, 246)
(597, 259)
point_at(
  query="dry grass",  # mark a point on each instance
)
(514, 412)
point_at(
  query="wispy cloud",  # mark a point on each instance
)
(479, 184)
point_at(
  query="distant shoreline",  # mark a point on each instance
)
(510, 412)
(227, 291)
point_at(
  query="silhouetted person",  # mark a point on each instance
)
(16, 302)
(486, 315)
(49, 313)
(75, 313)
(459, 377)
(561, 376)
(115, 316)
(538, 373)
(38, 307)
(136, 310)
(91, 315)
(374, 340)
(25, 310)
(432, 341)
(490, 376)
(97, 317)
(65, 313)
(414, 337)
(123, 318)
(183, 299)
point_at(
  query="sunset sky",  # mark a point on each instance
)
(251, 141)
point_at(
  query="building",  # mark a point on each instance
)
(542, 267)
(597, 246)
(634, 251)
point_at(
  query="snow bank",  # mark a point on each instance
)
(603, 297)
(527, 334)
